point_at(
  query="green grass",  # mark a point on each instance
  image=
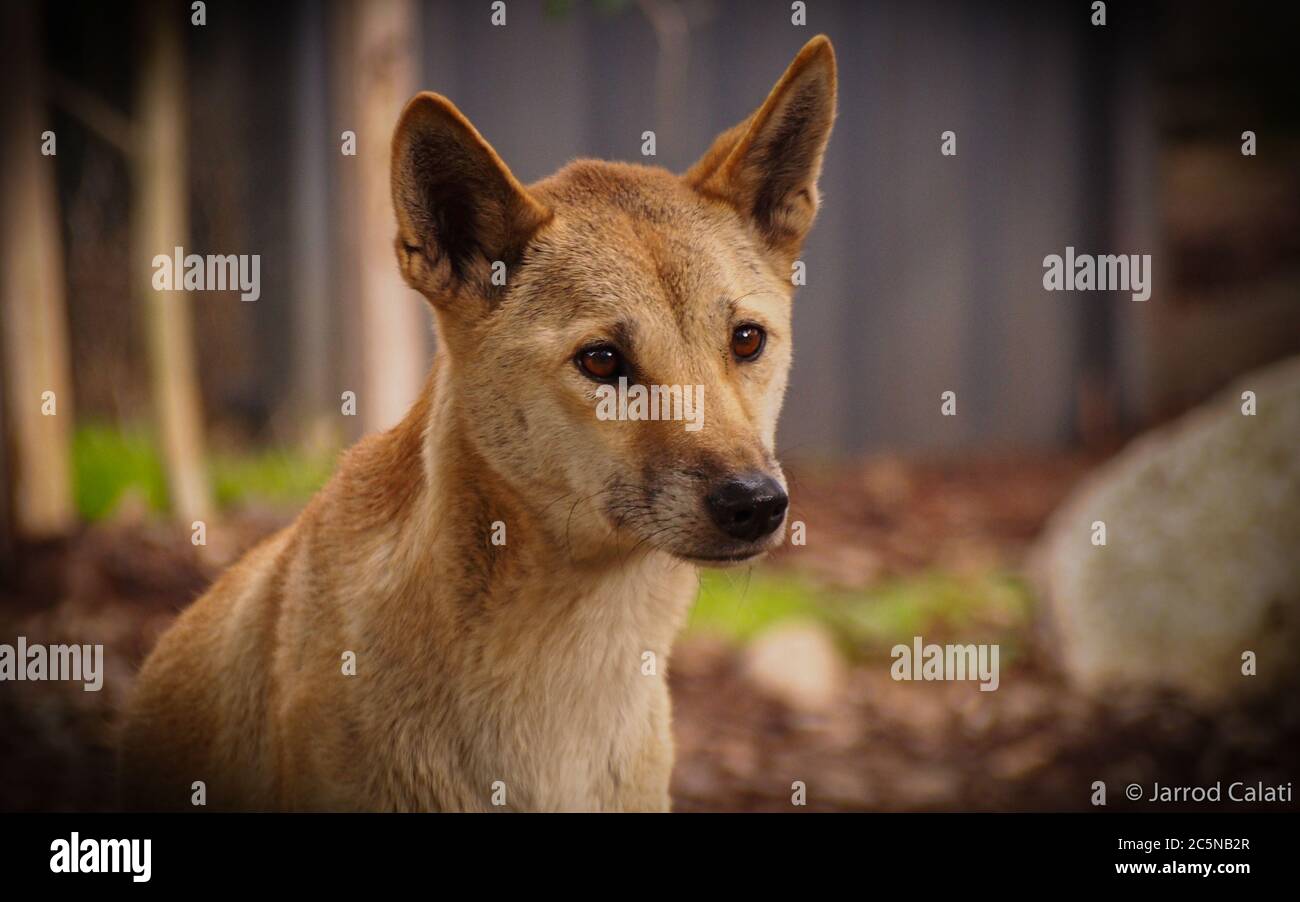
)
(109, 464)
(871, 621)
(272, 476)
(737, 606)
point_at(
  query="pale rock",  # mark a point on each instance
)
(1202, 560)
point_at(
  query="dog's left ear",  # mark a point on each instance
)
(459, 208)
(767, 166)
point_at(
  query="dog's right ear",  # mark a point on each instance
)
(767, 166)
(459, 208)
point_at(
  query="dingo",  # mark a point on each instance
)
(488, 675)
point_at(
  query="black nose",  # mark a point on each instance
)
(748, 506)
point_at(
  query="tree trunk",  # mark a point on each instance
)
(378, 69)
(37, 377)
(160, 224)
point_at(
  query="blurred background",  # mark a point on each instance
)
(132, 128)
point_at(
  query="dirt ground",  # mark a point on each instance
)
(1035, 744)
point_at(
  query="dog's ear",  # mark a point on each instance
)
(767, 166)
(459, 208)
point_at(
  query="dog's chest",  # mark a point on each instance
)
(591, 754)
(571, 708)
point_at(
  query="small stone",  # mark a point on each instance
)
(798, 664)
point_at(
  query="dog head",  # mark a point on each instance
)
(619, 336)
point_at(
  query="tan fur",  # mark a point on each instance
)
(522, 663)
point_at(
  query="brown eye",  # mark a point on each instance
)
(600, 363)
(747, 341)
